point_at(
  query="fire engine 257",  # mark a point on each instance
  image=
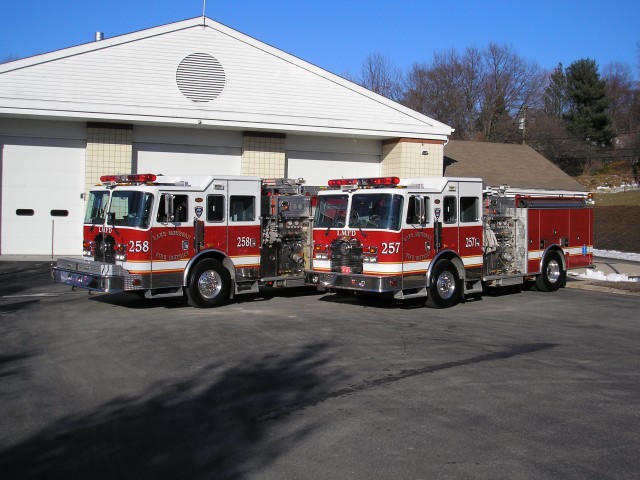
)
(444, 238)
(209, 237)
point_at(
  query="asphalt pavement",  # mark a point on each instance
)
(525, 385)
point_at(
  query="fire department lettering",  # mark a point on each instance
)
(171, 233)
(346, 233)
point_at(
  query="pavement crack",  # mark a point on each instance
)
(511, 352)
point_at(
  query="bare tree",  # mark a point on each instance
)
(381, 76)
(511, 86)
(480, 93)
(620, 91)
(448, 90)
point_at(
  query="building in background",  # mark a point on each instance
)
(191, 97)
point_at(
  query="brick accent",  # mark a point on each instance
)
(412, 158)
(109, 150)
(263, 155)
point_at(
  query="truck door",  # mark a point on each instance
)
(244, 227)
(172, 241)
(215, 217)
(418, 245)
(446, 218)
(470, 223)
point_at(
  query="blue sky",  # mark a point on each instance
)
(339, 35)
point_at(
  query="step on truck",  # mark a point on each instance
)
(445, 238)
(207, 237)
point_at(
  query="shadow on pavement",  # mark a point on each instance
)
(217, 424)
(8, 364)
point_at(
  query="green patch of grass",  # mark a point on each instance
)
(618, 199)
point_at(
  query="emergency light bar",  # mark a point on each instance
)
(365, 182)
(130, 178)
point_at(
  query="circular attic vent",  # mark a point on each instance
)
(200, 77)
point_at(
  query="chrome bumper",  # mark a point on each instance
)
(89, 274)
(355, 282)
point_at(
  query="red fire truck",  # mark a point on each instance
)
(444, 238)
(210, 237)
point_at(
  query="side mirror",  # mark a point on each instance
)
(168, 207)
(418, 208)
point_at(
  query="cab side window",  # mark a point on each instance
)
(242, 208)
(413, 216)
(215, 208)
(180, 209)
(469, 209)
(450, 210)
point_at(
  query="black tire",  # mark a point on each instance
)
(446, 287)
(552, 277)
(209, 284)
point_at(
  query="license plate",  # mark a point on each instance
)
(346, 269)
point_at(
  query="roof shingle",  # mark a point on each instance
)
(518, 166)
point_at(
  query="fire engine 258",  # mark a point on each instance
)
(445, 237)
(210, 237)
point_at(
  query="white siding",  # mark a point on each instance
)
(264, 86)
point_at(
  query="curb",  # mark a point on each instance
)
(586, 285)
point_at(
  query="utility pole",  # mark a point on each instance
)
(522, 122)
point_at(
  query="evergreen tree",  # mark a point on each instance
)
(586, 93)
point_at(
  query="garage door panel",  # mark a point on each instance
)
(187, 159)
(42, 205)
(318, 167)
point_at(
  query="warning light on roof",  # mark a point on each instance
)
(365, 182)
(129, 178)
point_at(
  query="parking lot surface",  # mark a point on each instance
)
(313, 386)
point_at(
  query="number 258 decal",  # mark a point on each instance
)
(138, 246)
(246, 242)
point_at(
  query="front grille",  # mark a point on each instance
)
(346, 254)
(105, 249)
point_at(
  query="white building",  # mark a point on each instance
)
(191, 97)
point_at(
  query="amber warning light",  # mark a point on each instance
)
(365, 182)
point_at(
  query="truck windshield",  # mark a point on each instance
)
(126, 209)
(331, 211)
(376, 210)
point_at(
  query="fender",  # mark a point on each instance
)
(448, 255)
(210, 253)
(553, 248)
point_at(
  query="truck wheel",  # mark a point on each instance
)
(552, 276)
(209, 286)
(446, 286)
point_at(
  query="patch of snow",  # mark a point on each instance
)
(634, 257)
(624, 187)
(611, 277)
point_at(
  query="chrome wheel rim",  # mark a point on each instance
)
(446, 285)
(553, 271)
(209, 284)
